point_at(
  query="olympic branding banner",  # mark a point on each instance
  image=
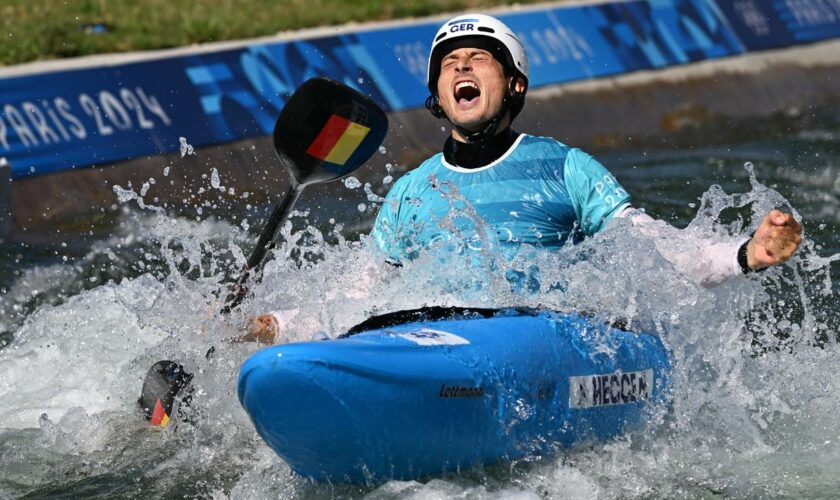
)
(64, 120)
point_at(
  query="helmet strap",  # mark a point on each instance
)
(433, 105)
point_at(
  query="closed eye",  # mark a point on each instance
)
(448, 61)
(480, 55)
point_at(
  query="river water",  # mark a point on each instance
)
(756, 411)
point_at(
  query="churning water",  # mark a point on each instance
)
(756, 410)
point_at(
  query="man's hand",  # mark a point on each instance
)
(262, 329)
(775, 241)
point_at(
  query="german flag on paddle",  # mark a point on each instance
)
(338, 140)
(159, 417)
(326, 130)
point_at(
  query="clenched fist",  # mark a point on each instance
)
(775, 241)
(262, 329)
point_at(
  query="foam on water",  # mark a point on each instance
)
(755, 406)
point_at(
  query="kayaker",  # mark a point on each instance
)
(529, 190)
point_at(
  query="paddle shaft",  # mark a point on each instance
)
(268, 236)
(265, 243)
(313, 121)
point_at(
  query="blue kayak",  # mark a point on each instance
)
(429, 396)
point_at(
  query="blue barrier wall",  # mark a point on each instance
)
(72, 119)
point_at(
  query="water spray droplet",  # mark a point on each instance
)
(388, 178)
(186, 149)
(371, 196)
(352, 183)
(124, 195)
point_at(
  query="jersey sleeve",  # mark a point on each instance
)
(596, 195)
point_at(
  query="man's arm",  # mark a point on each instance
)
(272, 327)
(711, 263)
(597, 197)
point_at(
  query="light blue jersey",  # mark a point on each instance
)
(539, 193)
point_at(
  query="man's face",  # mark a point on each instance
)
(471, 87)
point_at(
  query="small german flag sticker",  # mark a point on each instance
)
(337, 140)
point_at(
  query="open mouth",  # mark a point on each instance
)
(466, 91)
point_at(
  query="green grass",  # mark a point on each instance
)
(48, 29)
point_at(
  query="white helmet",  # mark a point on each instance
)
(476, 26)
(484, 32)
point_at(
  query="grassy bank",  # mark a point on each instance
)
(49, 29)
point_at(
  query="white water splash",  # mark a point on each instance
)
(753, 407)
(186, 148)
(127, 195)
(371, 196)
(352, 183)
(215, 180)
(124, 195)
(388, 177)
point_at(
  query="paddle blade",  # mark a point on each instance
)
(327, 130)
(163, 382)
